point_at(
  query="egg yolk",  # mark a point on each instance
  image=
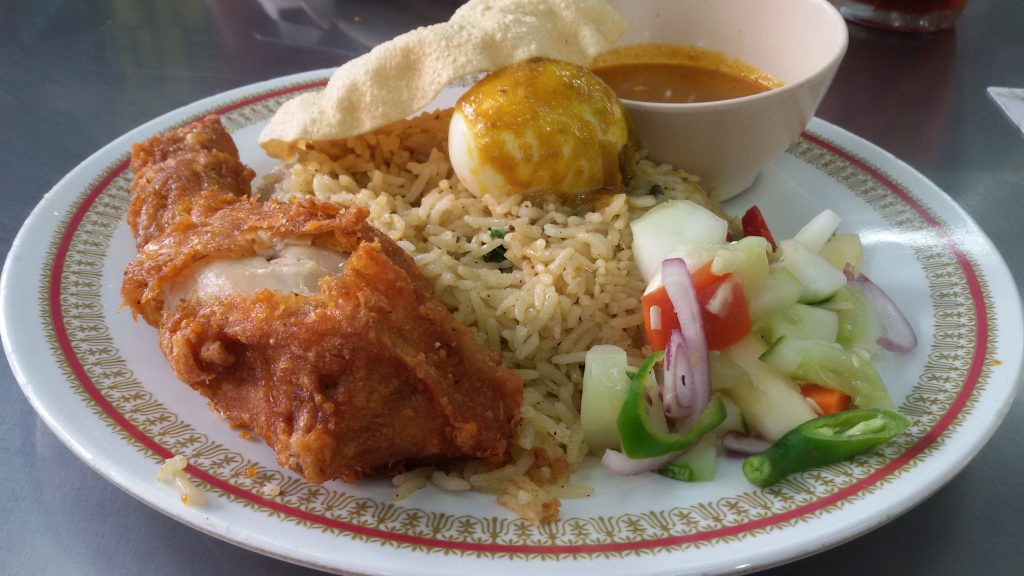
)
(537, 128)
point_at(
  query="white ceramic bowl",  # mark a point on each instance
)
(726, 143)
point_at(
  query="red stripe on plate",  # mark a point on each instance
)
(973, 375)
(58, 316)
(269, 95)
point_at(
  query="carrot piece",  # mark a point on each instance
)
(830, 401)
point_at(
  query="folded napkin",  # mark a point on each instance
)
(1011, 100)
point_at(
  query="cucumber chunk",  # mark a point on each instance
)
(787, 353)
(802, 321)
(859, 326)
(818, 231)
(696, 464)
(830, 366)
(669, 225)
(605, 383)
(746, 259)
(819, 279)
(733, 418)
(771, 404)
(725, 373)
(844, 249)
(779, 290)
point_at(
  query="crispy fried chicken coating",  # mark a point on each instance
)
(247, 228)
(367, 375)
(183, 177)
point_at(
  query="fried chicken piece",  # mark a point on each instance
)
(183, 177)
(363, 374)
(246, 229)
(205, 135)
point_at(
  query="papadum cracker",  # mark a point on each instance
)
(401, 76)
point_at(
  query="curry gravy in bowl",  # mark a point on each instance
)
(721, 88)
(673, 73)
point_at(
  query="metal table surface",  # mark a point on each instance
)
(75, 75)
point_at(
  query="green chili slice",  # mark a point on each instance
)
(822, 441)
(682, 472)
(640, 439)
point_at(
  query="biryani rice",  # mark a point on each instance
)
(568, 282)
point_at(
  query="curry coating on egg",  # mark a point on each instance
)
(366, 373)
(541, 128)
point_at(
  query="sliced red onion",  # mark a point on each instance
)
(897, 333)
(677, 399)
(618, 463)
(684, 398)
(687, 376)
(744, 444)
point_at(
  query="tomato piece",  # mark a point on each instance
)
(732, 323)
(754, 225)
(657, 304)
(720, 331)
(703, 277)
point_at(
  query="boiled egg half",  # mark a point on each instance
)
(539, 128)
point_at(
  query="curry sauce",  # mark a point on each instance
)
(669, 73)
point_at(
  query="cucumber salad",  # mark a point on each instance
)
(759, 348)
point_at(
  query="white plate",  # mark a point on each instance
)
(99, 381)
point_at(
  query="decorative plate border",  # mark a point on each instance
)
(946, 390)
